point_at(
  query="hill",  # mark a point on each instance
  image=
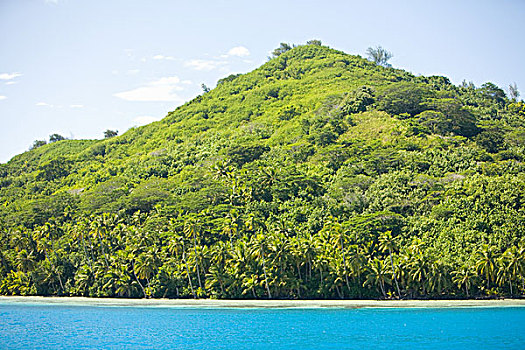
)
(318, 175)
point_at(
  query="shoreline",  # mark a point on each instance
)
(250, 304)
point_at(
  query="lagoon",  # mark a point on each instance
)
(41, 325)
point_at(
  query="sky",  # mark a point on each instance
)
(78, 68)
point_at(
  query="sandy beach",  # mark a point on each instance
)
(209, 303)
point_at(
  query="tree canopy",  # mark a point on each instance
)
(110, 133)
(379, 56)
(56, 137)
(283, 47)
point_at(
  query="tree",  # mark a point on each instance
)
(176, 246)
(339, 234)
(53, 169)
(259, 244)
(402, 98)
(492, 91)
(510, 267)
(229, 78)
(314, 42)
(281, 49)
(55, 138)
(463, 277)
(418, 270)
(110, 133)
(377, 275)
(37, 143)
(379, 56)
(446, 116)
(205, 88)
(513, 92)
(144, 267)
(193, 230)
(388, 243)
(357, 100)
(492, 139)
(486, 263)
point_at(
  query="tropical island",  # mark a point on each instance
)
(319, 175)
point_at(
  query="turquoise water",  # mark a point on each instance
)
(33, 326)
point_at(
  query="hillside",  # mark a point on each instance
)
(318, 175)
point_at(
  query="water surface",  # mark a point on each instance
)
(41, 326)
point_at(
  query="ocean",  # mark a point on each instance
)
(44, 326)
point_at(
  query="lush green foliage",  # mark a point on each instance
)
(318, 175)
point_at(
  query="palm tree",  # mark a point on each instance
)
(249, 283)
(486, 262)
(419, 271)
(388, 243)
(339, 235)
(508, 267)
(463, 277)
(520, 253)
(223, 171)
(188, 273)
(176, 246)
(439, 278)
(97, 230)
(231, 225)
(124, 284)
(242, 265)
(25, 261)
(279, 246)
(310, 252)
(357, 264)
(144, 267)
(259, 245)
(83, 279)
(42, 239)
(216, 277)
(52, 273)
(376, 275)
(78, 231)
(193, 229)
(336, 276)
(296, 255)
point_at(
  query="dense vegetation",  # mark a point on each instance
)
(318, 175)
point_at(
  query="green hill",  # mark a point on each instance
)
(318, 175)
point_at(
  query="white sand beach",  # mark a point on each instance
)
(210, 303)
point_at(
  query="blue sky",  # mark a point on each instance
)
(78, 67)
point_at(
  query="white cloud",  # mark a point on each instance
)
(2, 97)
(9, 76)
(44, 104)
(10, 83)
(163, 89)
(167, 81)
(145, 119)
(162, 57)
(76, 106)
(239, 51)
(133, 71)
(204, 64)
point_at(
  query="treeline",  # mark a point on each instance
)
(236, 252)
